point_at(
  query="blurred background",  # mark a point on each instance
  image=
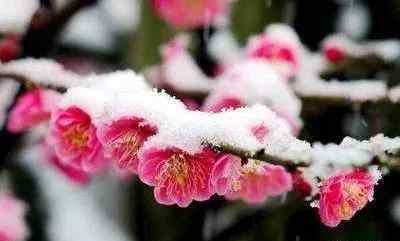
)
(115, 34)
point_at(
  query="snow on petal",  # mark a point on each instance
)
(254, 82)
(280, 46)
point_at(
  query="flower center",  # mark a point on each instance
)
(177, 167)
(356, 198)
(195, 4)
(78, 135)
(356, 194)
(130, 144)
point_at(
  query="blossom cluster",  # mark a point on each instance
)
(184, 154)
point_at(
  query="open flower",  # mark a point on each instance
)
(123, 139)
(75, 175)
(74, 138)
(260, 180)
(31, 109)
(341, 196)
(177, 176)
(12, 223)
(225, 174)
(190, 13)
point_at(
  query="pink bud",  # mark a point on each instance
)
(9, 48)
(31, 109)
(281, 54)
(189, 13)
(334, 54)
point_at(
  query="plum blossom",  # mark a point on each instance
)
(279, 46)
(190, 13)
(12, 223)
(177, 176)
(123, 140)
(9, 47)
(225, 174)
(73, 174)
(74, 138)
(254, 182)
(342, 195)
(31, 109)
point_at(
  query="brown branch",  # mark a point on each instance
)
(260, 155)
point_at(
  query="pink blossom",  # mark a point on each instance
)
(342, 195)
(123, 139)
(73, 136)
(177, 176)
(73, 174)
(334, 54)
(300, 185)
(222, 103)
(12, 223)
(31, 109)
(261, 180)
(225, 174)
(10, 47)
(190, 13)
(260, 131)
(282, 55)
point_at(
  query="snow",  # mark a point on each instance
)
(287, 147)
(15, 15)
(89, 30)
(255, 82)
(310, 85)
(224, 47)
(118, 82)
(41, 71)
(388, 50)
(8, 90)
(354, 19)
(180, 71)
(394, 94)
(90, 100)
